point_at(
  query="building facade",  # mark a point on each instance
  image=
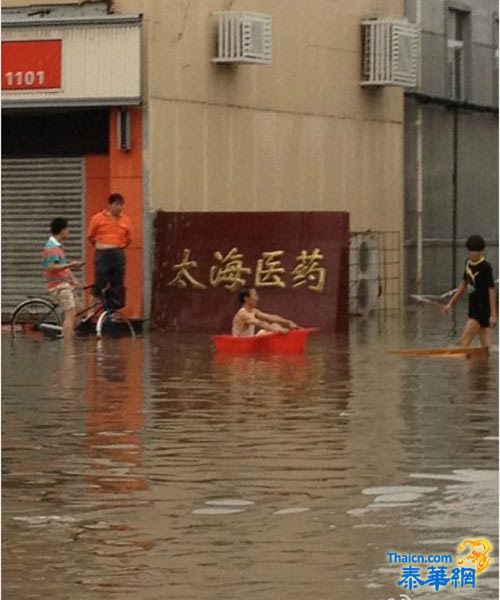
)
(451, 141)
(298, 134)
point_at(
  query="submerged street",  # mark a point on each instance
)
(155, 469)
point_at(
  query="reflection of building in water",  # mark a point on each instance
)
(375, 450)
(451, 404)
(269, 430)
(114, 415)
(253, 415)
(244, 376)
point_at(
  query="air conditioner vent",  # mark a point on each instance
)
(364, 279)
(243, 37)
(391, 53)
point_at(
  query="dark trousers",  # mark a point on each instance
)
(110, 271)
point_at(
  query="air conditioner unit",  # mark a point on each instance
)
(391, 53)
(243, 37)
(364, 284)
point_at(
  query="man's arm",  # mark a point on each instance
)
(263, 324)
(275, 319)
(455, 298)
(92, 232)
(128, 237)
(57, 266)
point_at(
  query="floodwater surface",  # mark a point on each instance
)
(154, 469)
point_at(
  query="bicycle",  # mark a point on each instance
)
(41, 315)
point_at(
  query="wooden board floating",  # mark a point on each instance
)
(443, 352)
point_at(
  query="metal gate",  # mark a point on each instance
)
(35, 191)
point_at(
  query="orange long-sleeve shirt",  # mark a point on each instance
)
(109, 231)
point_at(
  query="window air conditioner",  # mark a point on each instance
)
(363, 274)
(391, 52)
(243, 37)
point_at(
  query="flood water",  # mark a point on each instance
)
(153, 469)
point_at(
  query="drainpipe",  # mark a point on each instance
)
(454, 221)
(419, 169)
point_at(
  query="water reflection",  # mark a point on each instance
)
(114, 411)
(157, 469)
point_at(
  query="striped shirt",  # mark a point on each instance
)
(53, 253)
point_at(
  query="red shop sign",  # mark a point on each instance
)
(31, 65)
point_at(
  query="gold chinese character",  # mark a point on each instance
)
(231, 272)
(183, 276)
(269, 269)
(308, 271)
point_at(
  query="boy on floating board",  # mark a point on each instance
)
(478, 279)
(249, 317)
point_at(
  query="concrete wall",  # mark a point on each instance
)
(477, 150)
(481, 85)
(477, 191)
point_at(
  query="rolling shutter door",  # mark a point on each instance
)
(34, 191)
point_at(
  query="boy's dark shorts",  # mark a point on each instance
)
(481, 313)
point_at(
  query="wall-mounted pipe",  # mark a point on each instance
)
(419, 171)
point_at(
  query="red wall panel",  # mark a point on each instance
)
(193, 300)
(120, 172)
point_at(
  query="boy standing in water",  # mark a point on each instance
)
(60, 280)
(478, 279)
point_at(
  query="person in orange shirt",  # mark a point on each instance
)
(110, 233)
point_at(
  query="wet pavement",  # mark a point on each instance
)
(153, 469)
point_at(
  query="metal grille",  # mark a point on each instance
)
(363, 274)
(388, 244)
(34, 191)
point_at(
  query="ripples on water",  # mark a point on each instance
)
(156, 470)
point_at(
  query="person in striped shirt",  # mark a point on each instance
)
(60, 279)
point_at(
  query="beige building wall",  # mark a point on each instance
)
(299, 134)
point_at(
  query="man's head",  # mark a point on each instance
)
(248, 297)
(59, 228)
(475, 245)
(116, 203)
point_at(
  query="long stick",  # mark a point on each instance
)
(426, 300)
(434, 298)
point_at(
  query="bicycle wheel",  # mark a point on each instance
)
(114, 324)
(35, 317)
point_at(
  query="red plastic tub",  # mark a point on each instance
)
(293, 342)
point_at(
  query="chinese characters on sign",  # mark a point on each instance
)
(183, 278)
(269, 270)
(437, 578)
(231, 272)
(308, 271)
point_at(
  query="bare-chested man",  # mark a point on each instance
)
(248, 318)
